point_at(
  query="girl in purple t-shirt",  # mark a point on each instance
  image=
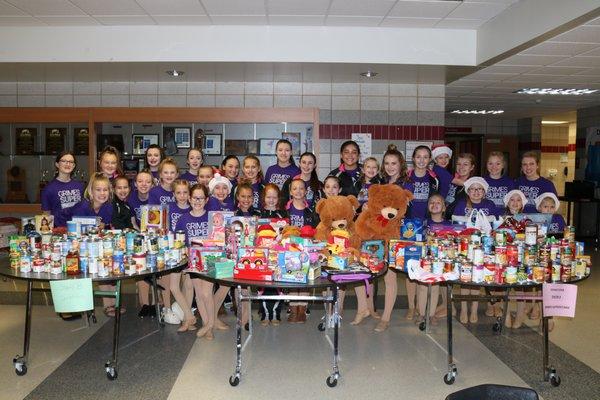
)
(244, 198)
(181, 190)
(139, 197)
(421, 182)
(220, 189)
(230, 167)
(441, 155)
(163, 193)
(109, 162)
(547, 203)
(62, 193)
(194, 162)
(298, 210)
(252, 174)
(531, 183)
(285, 167)
(500, 184)
(97, 201)
(154, 156)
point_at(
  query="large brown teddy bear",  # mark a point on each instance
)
(337, 212)
(381, 218)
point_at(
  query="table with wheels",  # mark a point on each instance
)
(329, 320)
(549, 372)
(20, 361)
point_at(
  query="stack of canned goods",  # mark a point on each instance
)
(103, 254)
(498, 259)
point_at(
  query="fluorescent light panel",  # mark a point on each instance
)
(477, 112)
(554, 91)
(554, 122)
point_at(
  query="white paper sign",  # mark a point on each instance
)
(364, 143)
(560, 299)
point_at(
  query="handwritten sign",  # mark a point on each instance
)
(364, 143)
(559, 299)
(72, 295)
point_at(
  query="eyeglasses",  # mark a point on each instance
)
(66, 162)
(476, 189)
(198, 198)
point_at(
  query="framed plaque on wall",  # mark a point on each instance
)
(80, 141)
(55, 140)
(25, 141)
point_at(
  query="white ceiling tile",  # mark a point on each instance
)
(297, 20)
(520, 59)
(581, 34)
(594, 22)
(18, 20)
(295, 7)
(423, 9)
(8, 10)
(483, 11)
(573, 79)
(239, 19)
(361, 7)
(125, 20)
(109, 7)
(456, 23)
(590, 72)
(82, 20)
(235, 7)
(181, 19)
(409, 22)
(506, 69)
(554, 70)
(336, 20)
(47, 7)
(559, 48)
(592, 53)
(172, 7)
(580, 61)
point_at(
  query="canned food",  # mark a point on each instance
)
(466, 272)
(531, 232)
(501, 258)
(478, 274)
(438, 267)
(538, 273)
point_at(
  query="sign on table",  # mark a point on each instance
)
(72, 295)
(559, 299)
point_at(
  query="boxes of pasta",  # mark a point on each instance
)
(401, 251)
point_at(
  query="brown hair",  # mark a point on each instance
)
(242, 186)
(154, 146)
(199, 186)
(270, 186)
(181, 182)
(471, 158)
(166, 161)
(110, 150)
(392, 150)
(532, 154)
(260, 175)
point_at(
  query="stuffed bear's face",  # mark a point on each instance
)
(339, 224)
(389, 212)
(390, 201)
(337, 212)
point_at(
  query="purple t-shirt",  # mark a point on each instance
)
(420, 188)
(155, 179)
(84, 209)
(278, 175)
(158, 195)
(194, 227)
(136, 205)
(214, 204)
(498, 189)
(533, 189)
(188, 176)
(175, 212)
(445, 179)
(296, 216)
(557, 225)
(60, 197)
(445, 222)
(257, 189)
(487, 206)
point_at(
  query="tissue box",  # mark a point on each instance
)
(292, 266)
(221, 269)
(401, 252)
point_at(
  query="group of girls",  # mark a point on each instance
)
(290, 191)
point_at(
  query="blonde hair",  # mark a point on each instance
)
(165, 162)
(97, 178)
(259, 177)
(181, 182)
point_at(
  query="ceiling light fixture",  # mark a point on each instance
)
(174, 72)
(553, 91)
(369, 74)
(477, 112)
(554, 122)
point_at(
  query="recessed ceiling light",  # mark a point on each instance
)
(554, 122)
(369, 74)
(477, 112)
(174, 72)
(553, 91)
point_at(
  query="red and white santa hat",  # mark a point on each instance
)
(440, 149)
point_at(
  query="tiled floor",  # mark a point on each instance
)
(292, 361)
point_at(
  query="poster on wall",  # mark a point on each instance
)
(80, 141)
(364, 143)
(294, 139)
(55, 140)
(25, 141)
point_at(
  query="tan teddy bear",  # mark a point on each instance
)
(337, 212)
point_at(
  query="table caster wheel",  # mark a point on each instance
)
(234, 380)
(555, 380)
(94, 319)
(449, 378)
(21, 369)
(422, 326)
(111, 373)
(321, 326)
(331, 381)
(496, 327)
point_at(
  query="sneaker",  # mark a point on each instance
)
(170, 317)
(144, 311)
(152, 311)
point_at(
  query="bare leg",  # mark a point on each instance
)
(474, 305)
(422, 299)
(165, 282)
(219, 297)
(391, 292)
(143, 293)
(411, 290)
(175, 279)
(188, 289)
(464, 313)
(207, 308)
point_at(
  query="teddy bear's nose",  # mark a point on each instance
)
(342, 226)
(390, 215)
